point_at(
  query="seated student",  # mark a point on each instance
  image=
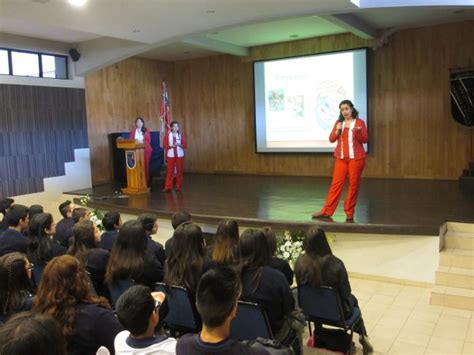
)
(32, 211)
(64, 226)
(176, 219)
(151, 227)
(319, 267)
(28, 333)
(225, 250)
(138, 311)
(81, 214)
(111, 222)
(15, 275)
(130, 260)
(275, 262)
(86, 237)
(5, 205)
(266, 286)
(216, 301)
(87, 321)
(13, 238)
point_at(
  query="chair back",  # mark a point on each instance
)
(320, 304)
(250, 322)
(118, 288)
(181, 315)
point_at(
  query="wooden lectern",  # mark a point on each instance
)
(135, 161)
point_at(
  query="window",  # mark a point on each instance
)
(33, 64)
(4, 66)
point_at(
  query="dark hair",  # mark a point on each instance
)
(148, 220)
(254, 252)
(308, 267)
(28, 333)
(180, 217)
(64, 208)
(173, 123)
(5, 204)
(15, 214)
(355, 113)
(34, 210)
(143, 121)
(127, 259)
(78, 213)
(110, 220)
(134, 308)
(64, 285)
(271, 240)
(217, 294)
(83, 234)
(184, 263)
(15, 283)
(226, 246)
(39, 244)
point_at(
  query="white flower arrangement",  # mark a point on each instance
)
(96, 214)
(290, 247)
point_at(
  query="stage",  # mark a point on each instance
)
(385, 206)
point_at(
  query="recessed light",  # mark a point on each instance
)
(77, 2)
(211, 11)
(294, 36)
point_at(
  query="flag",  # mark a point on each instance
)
(165, 114)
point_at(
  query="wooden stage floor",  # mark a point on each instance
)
(412, 207)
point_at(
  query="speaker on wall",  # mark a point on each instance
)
(75, 55)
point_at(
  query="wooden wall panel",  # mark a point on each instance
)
(115, 96)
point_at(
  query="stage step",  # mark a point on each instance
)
(455, 277)
(459, 240)
(457, 258)
(460, 227)
(453, 297)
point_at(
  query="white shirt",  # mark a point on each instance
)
(170, 153)
(139, 136)
(122, 347)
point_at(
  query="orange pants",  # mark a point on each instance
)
(342, 168)
(171, 164)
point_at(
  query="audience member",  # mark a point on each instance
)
(225, 249)
(319, 267)
(217, 296)
(176, 219)
(86, 237)
(15, 275)
(130, 259)
(5, 205)
(32, 334)
(81, 214)
(275, 262)
(34, 210)
(64, 226)
(138, 311)
(111, 222)
(13, 239)
(149, 221)
(86, 320)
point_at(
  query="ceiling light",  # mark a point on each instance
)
(77, 2)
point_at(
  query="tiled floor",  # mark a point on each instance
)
(400, 320)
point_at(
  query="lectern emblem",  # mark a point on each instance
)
(130, 156)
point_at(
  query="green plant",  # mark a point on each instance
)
(96, 214)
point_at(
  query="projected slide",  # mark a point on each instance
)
(296, 99)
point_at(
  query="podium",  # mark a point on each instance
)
(135, 162)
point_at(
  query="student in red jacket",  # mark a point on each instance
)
(141, 134)
(350, 133)
(174, 145)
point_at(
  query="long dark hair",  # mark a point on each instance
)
(143, 121)
(308, 269)
(184, 264)
(225, 249)
(84, 240)
(15, 283)
(127, 259)
(39, 243)
(254, 253)
(349, 103)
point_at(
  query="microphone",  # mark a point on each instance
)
(339, 131)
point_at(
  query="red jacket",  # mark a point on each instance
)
(146, 137)
(358, 138)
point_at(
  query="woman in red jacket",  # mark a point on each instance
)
(174, 145)
(141, 134)
(350, 133)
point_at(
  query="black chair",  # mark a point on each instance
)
(322, 306)
(250, 322)
(182, 316)
(118, 288)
